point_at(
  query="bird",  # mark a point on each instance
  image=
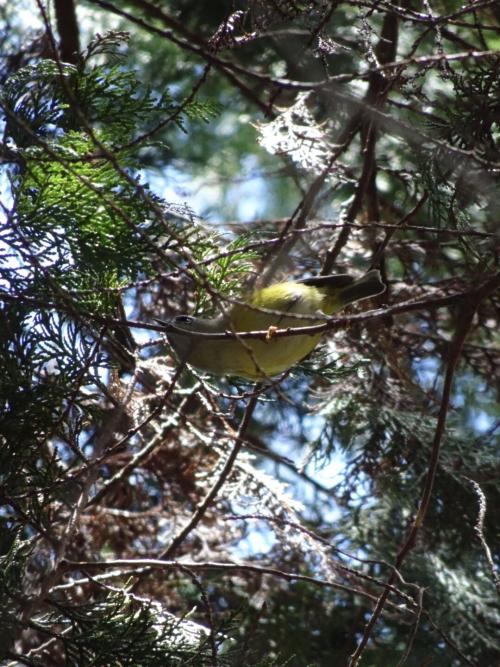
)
(257, 359)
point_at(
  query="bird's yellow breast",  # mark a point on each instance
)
(267, 358)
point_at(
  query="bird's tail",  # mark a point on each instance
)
(368, 285)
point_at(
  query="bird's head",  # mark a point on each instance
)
(180, 327)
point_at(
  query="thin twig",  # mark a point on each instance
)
(461, 332)
(144, 565)
(411, 641)
(348, 571)
(148, 448)
(208, 608)
(219, 482)
(332, 323)
(479, 530)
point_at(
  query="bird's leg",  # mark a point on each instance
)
(271, 331)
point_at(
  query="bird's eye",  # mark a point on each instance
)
(183, 319)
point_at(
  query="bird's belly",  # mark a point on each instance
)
(252, 359)
(276, 356)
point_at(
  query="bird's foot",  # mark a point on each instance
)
(270, 332)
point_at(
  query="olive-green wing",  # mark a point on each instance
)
(290, 297)
(332, 282)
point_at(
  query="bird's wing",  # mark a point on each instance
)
(291, 297)
(332, 282)
(285, 297)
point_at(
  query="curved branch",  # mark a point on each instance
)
(409, 543)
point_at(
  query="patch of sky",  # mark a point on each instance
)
(250, 193)
(89, 17)
(25, 20)
(319, 475)
(260, 539)
(245, 196)
(8, 258)
(175, 187)
(482, 422)
(480, 409)
(426, 370)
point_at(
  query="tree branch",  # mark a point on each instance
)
(409, 543)
(219, 482)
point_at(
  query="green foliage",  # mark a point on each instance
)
(122, 630)
(226, 270)
(13, 557)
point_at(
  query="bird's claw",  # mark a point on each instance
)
(271, 331)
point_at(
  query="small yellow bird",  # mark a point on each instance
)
(255, 358)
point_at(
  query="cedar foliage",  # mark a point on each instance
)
(136, 526)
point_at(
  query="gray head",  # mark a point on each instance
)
(183, 343)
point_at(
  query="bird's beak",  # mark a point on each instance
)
(166, 325)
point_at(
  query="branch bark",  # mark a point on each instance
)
(409, 543)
